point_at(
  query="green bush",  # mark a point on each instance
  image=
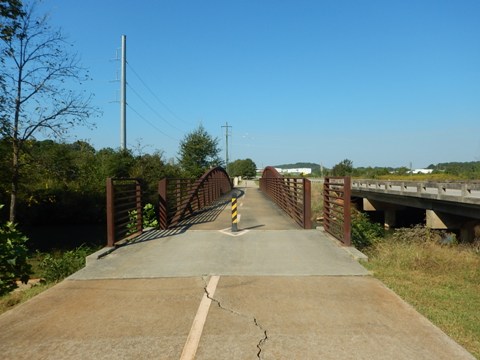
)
(149, 218)
(13, 257)
(56, 267)
(364, 232)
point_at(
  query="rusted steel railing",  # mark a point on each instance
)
(292, 195)
(123, 196)
(336, 208)
(181, 198)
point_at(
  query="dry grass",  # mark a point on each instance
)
(441, 282)
(9, 301)
(317, 199)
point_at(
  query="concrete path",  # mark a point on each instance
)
(253, 253)
(206, 294)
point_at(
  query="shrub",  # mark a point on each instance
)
(149, 218)
(364, 232)
(56, 267)
(422, 234)
(13, 257)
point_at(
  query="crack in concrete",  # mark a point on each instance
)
(262, 341)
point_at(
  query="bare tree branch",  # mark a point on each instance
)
(38, 70)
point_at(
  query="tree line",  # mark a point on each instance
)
(64, 183)
(450, 170)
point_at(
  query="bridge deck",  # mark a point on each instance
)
(255, 210)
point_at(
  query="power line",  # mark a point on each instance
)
(150, 123)
(153, 109)
(156, 97)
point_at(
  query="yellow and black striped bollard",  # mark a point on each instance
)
(234, 214)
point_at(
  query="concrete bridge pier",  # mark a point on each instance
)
(390, 211)
(469, 228)
(443, 221)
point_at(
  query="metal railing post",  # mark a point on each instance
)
(307, 204)
(110, 213)
(347, 215)
(138, 200)
(162, 204)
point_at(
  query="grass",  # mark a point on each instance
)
(317, 200)
(441, 282)
(9, 301)
(52, 267)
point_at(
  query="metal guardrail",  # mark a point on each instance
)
(462, 192)
(123, 196)
(336, 208)
(181, 198)
(292, 195)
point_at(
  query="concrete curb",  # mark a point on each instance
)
(355, 253)
(351, 250)
(90, 259)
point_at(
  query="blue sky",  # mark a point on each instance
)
(383, 83)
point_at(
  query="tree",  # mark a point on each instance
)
(245, 168)
(10, 10)
(403, 170)
(343, 168)
(198, 152)
(37, 71)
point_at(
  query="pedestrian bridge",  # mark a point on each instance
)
(274, 203)
(255, 212)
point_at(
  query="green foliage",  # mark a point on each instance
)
(64, 183)
(343, 168)
(149, 219)
(466, 170)
(10, 10)
(364, 232)
(245, 168)
(13, 258)
(56, 267)
(371, 172)
(198, 153)
(151, 168)
(149, 216)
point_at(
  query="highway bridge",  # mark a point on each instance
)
(447, 205)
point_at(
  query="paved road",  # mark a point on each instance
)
(278, 294)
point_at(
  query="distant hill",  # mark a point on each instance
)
(313, 166)
(455, 164)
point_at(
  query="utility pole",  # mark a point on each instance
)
(123, 95)
(227, 134)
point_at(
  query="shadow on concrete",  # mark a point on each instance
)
(251, 227)
(206, 215)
